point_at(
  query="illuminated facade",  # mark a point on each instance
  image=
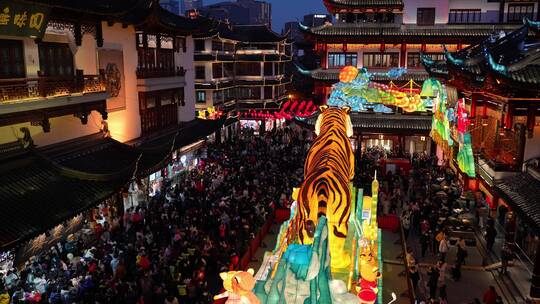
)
(498, 106)
(329, 251)
(123, 74)
(241, 68)
(93, 96)
(380, 35)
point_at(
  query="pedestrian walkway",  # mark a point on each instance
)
(392, 267)
(474, 277)
(268, 244)
(517, 281)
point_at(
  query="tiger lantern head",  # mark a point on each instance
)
(332, 118)
(238, 287)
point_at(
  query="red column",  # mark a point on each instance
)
(382, 47)
(423, 48)
(473, 106)
(324, 61)
(459, 46)
(344, 47)
(403, 55)
(531, 120)
(509, 117)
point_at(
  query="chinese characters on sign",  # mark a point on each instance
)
(17, 19)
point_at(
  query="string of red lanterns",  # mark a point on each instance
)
(289, 110)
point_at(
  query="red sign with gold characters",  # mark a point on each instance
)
(19, 19)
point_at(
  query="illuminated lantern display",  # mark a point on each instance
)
(238, 287)
(329, 167)
(348, 74)
(445, 120)
(312, 262)
(210, 113)
(465, 155)
(357, 91)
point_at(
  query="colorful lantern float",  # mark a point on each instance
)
(448, 121)
(316, 258)
(357, 91)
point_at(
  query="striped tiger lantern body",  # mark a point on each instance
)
(328, 169)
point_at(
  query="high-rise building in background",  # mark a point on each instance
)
(313, 20)
(187, 5)
(242, 12)
(172, 6)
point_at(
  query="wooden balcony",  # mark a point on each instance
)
(152, 79)
(27, 89)
(37, 99)
(504, 152)
(154, 72)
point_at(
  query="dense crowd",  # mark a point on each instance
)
(430, 202)
(172, 248)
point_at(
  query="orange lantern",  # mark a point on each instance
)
(348, 74)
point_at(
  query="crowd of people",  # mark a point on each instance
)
(171, 248)
(429, 202)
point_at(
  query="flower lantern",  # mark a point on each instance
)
(348, 74)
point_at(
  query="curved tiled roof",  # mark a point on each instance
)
(35, 197)
(257, 33)
(365, 2)
(242, 33)
(142, 13)
(333, 75)
(406, 30)
(529, 74)
(522, 192)
(362, 4)
(409, 123)
(40, 189)
(508, 56)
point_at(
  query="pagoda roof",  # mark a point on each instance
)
(35, 196)
(332, 75)
(512, 57)
(257, 33)
(522, 192)
(241, 33)
(217, 85)
(43, 187)
(144, 14)
(98, 7)
(344, 5)
(409, 33)
(376, 122)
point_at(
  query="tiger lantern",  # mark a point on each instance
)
(328, 169)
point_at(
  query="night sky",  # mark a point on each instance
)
(288, 10)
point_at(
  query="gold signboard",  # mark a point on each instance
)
(18, 19)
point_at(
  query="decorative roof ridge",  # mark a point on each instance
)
(82, 175)
(51, 4)
(363, 3)
(534, 25)
(405, 26)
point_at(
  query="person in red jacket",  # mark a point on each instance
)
(490, 296)
(143, 261)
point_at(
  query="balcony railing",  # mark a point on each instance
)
(153, 72)
(50, 86)
(503, 154)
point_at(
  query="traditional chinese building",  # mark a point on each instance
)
(385, 34)
(241, 68)
(499, 79)
(79, 80)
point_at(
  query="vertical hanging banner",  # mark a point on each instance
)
(23, 20)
